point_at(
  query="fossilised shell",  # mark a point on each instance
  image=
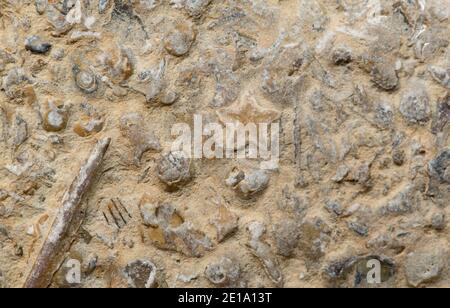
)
(18, 87)
(404, 202)
(314, 238)
(227, 87)
(415, 104)
(384, 115)
(286, 236)
(4, 134)
(236, 176)
(151, 82)
(168, 229)
(254, 183)
(440, 167)
(429, 42)
(55, 118)
(175, 169)
(180, 39)
(85, 79)
(292, 205)
(169, 98)
(358, 228)
(263, 252)
(118, 64)
(251, 185)
(226, 223)
(20, 131)
(441, 75)
(426, 264)
(123, 69)
(382, 70)
(58, 21)
(196, 8)
(385, 76)
(341, 56)
(88, 127)
(141, 274)
(133, 127)
(64, 6)
(76, 36)
(164, 215)
(226, 272)
(442, 116)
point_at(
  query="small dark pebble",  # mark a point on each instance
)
(36, 45)
(399, 157)
(440, 167)
(341, 56)
(438, 222)
(358, 228)
(334, 207)
(4, 231)
(18, 251)
(340, 268)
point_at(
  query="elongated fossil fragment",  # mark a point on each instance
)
(48, 259)
(4, 125)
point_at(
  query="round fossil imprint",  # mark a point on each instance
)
(85, 79)
(55, 118)
(180, 39)
(175, 169)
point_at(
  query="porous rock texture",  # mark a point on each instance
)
(360, 88)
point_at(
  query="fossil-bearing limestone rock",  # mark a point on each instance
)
(359, 91)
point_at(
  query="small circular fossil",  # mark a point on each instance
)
(226, 272)
(179, 41)
(175, 169)
(56, 118)
(385, 76)
(253, 184)
(85, 80)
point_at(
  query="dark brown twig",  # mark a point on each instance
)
(47, 262)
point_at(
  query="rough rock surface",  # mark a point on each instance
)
(360, 89)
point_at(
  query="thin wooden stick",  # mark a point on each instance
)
(48, 260)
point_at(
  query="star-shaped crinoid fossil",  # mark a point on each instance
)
(249, 109)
